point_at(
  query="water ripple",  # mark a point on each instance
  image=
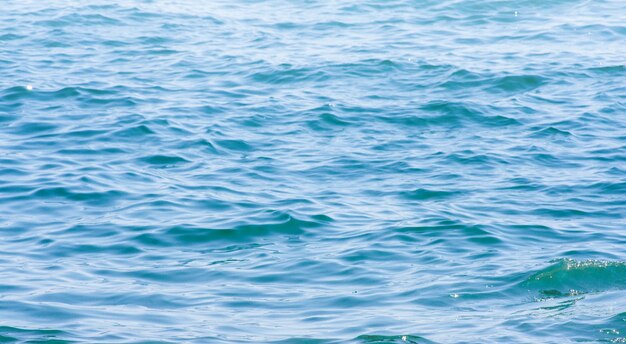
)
(312, 172)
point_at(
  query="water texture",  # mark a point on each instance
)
(249, 171)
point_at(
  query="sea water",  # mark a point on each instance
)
(249, 171)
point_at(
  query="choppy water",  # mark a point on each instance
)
(313, 171)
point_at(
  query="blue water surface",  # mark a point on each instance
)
(303, 171)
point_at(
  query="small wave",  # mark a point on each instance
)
(10, 37)
(287, 74)
(426, 194)
(163, 160)
(23, 92)
(441, 113)
(327, 121)
(101, 198)
(399, 339)
(571, 277)
(10, 334)
(517, 83)
(33, 129)
(81, 19)
(463, 80)
(609, 70)
(279, 224)
(450, 231)
(550, 132)
(137, 132)
(234, 145)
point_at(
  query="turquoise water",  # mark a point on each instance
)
(312, 171)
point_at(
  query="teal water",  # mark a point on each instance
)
(304, 171)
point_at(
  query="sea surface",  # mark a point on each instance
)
(303, 171)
